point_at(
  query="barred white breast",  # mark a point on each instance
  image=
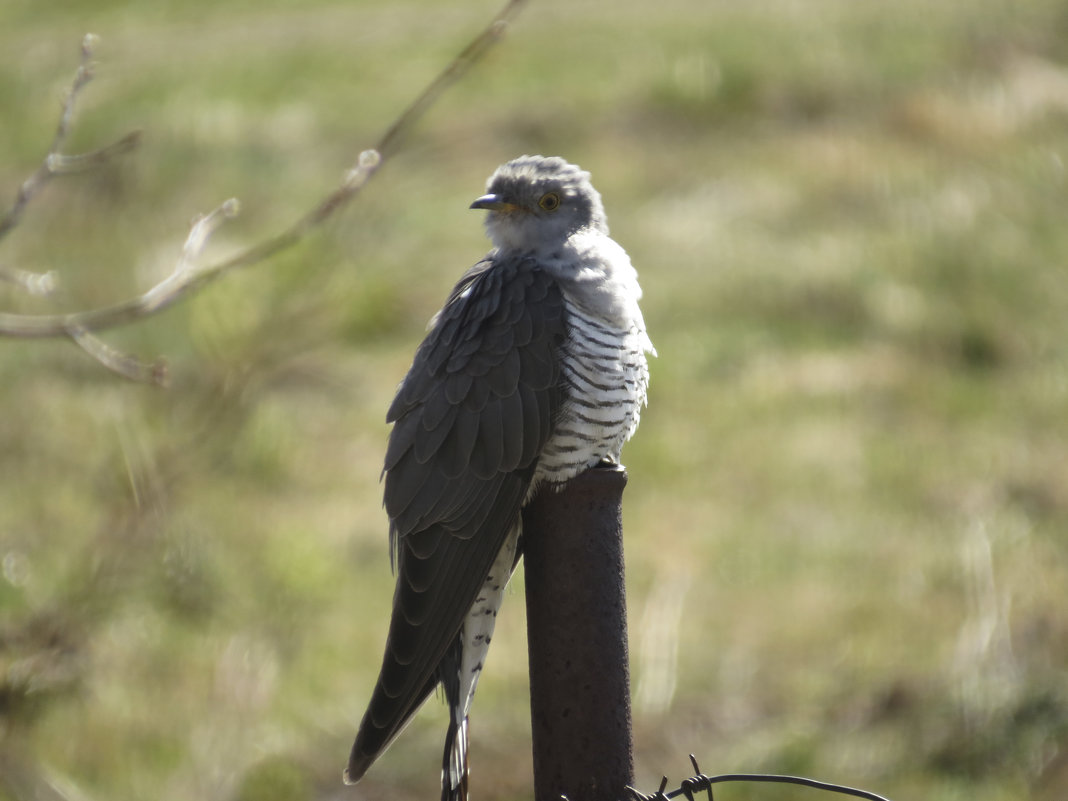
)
(606, 378)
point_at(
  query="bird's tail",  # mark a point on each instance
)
(454, 760)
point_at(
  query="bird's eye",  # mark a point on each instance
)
(550, 201)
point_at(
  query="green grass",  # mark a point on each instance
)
(849, 223)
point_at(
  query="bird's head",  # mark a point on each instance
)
(537, 202)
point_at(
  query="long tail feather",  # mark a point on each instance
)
(454, 771)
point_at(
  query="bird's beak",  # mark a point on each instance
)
(493, 203)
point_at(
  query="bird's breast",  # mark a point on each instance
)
(605, 376)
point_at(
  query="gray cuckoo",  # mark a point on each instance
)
(534, 371)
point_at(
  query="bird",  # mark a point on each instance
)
(533, 371)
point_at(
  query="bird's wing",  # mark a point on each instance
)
(470, 420)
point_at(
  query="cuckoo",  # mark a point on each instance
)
(534, 371)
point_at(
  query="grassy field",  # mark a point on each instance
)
(847, 515)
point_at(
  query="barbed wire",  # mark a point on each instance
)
(699, 783)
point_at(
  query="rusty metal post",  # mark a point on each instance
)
(577, 640)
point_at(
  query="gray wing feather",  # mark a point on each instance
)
(487, 458)
(470, 420)
(512, 434)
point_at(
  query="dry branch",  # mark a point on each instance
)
(39, 284)
(55, 162)
(187, 277)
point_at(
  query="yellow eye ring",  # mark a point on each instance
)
(550, 201)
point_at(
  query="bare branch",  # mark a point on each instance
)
(452, 73)
(39, 284)
(187, 279)
(55, 163)
(118, 362)
(83, 75)
(203, 227)
(61, 164)
(175, 285)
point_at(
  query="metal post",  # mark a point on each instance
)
(577, 639)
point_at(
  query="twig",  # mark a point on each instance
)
(39, 284)
(62, 164)
(184, 275)
(456, 70)
(183, 282)
(118, 362)
(55, 163)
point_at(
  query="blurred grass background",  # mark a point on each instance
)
(846, 517)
